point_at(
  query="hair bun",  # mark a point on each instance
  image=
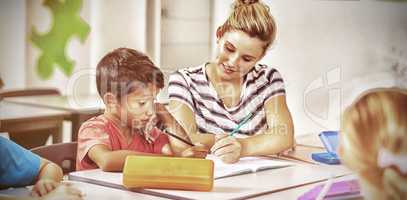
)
(247, 2)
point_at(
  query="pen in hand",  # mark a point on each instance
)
(244, 121)
(178, 137)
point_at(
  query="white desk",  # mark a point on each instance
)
(293, 179)
(236, 187)
(297, 192)
(306, 145)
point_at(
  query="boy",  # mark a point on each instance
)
(128, 83)
(20, 167)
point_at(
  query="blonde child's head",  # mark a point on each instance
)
(374, 142)
(128, 82)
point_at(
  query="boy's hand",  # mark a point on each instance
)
(64, 191)
(43, 187)
(197, 151)
(151, 124)
(227, 148)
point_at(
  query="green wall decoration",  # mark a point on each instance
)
(66, 23)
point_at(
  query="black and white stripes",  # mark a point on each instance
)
(191, 87)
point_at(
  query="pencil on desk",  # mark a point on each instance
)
(325, 189)
(178, 137)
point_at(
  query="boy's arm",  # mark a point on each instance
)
(110, 161)
(181, 121)
(172, 126)
(50, 171)
(178, 147)
(48, 178)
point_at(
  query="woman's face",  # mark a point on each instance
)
(238, 53)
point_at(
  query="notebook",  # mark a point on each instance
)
(245, 165)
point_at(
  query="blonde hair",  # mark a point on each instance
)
(377, 120)
(253, 18)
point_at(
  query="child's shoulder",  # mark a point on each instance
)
(97, 122)
(100, 119)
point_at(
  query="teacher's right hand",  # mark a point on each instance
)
(227, 148)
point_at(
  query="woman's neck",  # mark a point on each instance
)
(215, 78)
(227, 90)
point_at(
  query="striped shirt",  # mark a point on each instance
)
(192, 87)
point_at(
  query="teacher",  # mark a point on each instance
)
(234, 93)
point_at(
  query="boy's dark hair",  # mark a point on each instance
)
(117, 71)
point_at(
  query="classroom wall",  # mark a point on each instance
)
(185, 35)
(153, 30)
(112, 25)
(41, 18)
(116, 24)
(12, 43)
(330, 51)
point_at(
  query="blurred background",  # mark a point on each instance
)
(327, 51)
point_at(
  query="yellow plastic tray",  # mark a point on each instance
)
(168, 173)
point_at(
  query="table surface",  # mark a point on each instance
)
(261, 182)
(79, 103)
(91, 192)
(17, 112)
(235, 187)
(255, 185)
(306, 144)
(297, 192)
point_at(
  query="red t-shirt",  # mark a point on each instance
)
(101, 130)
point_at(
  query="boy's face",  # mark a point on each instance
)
(137, 108)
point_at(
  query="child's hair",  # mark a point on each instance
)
(118, 70)
(252, 17)
(374, 139)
